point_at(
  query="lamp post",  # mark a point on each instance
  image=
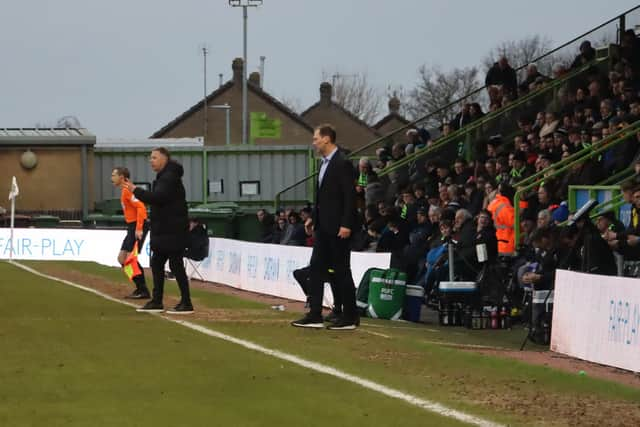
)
(227, 111)
(244, 4)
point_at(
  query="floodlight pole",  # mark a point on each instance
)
(244, 4)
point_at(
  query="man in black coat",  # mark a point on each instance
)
(501, 74)
(334, 218)
(169, 228)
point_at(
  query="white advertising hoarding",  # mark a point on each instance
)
(257, 267)
(597, 318)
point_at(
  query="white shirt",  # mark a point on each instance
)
(325, 164)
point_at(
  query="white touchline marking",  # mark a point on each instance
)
(315, 366)
(378, 334)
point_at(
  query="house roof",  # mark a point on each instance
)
(348, 113)
(386, 119)
(228, 85)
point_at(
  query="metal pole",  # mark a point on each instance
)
(262, 58)
(451, 272)
(204, 110)
(227, 114)
(244, 77)
(220, 80)
(205, 176)
(13, 214)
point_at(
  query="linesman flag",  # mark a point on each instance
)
(130, 266)
(14, 189)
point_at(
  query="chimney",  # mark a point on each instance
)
(326, 93)
(236, 66)
(254, 79)
(394, 105)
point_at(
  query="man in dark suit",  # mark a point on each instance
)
(334, 217)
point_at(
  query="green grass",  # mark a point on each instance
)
(405, 358)
(74, 359)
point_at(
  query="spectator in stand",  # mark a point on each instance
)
(630, 49)
(463, 118)
(409, 208)
(400, 177)
(461, 172)
(606, 111)
(532, 75)
(455, 202)
(267, 225)
(413, 139)
(550, 124)
(486, 235)
(394, 239)
(279, 231)
(502, 170)
(473, 198)
(419, 193)
(520, 169)
(606, 222)
(490, 169)
(475, 112)
(418, 243)
(503, 76)
(294, 234)
(502, 213)
(586, 55)
(305, 214)
(465, 234)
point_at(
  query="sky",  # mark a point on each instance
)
(126, 68)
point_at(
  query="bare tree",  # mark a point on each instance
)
(355, 93)
(68, 122)
(437, 88)
(292, 103)
(522, 52)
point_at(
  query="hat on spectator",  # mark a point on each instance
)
(495, 139)
(412, 131)
(560, 131)
(422, 211)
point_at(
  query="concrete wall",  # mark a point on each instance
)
(53, 185)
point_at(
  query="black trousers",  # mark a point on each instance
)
(303, 277)
(335, 253)
(176, 265)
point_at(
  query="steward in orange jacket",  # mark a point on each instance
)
(503, 216)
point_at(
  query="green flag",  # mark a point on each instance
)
(264, 127)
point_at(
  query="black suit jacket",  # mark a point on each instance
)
(335, 199)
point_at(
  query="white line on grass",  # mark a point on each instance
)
(318, 367)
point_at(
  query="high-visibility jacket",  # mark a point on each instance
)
(503, 218)
(133, 209)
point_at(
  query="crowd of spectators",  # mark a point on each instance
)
(411, 210)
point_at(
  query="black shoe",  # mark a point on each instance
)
(182, 308)
(138, 294)
(152, 307)
(309, 321)
(344, 325)
(333, 317)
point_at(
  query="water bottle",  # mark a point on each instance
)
(494, 318)
(505, 320)
(278, 307)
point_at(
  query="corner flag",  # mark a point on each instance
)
(14, 189)
(130, 266)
